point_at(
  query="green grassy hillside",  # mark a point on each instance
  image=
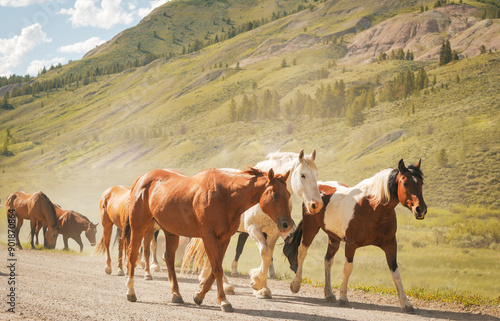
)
(76, 141)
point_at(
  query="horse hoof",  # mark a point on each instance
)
(227, 308)
(177, 299)
(107, 269)
(120, 273)
(234, 274)
(331, 299)
(197, 300)
(229, 291)
(131, 297)
(264, 296)
(343, 303)
(148, 277)
(294, 289)
(155, 268)
(408, 309)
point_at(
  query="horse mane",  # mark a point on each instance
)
(285, 157)
(381, 186)
(253, 171)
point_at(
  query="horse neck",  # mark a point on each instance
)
(83, 221)
(246, 191)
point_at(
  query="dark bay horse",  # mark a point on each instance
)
(207, 205)
(72, 224)
(359, 216)
(39, 210)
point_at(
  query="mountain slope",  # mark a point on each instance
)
(173, 112)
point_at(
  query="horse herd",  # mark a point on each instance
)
(208, 207)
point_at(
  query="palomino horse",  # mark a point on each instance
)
(302, 182)
(359, 216)
(39, 210)
(207, 205)
(71, 224)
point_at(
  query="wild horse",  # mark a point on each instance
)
(207, 205)
(359, 216)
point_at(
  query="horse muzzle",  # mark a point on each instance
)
(420, 212)
(314, 207)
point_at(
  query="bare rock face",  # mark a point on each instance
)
(423, 33)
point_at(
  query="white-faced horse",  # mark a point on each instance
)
(359, 216)
(303, 183)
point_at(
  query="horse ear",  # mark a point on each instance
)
(270, 175)
(285, 177)
(313, 155)
(96, 224)
(401, 166)
(301, 155)
(417, 165)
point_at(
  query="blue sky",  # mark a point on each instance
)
(38, 33)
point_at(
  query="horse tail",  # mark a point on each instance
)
(292, 243)
(100, 249)
(195, 256)
(9, 207)
(117, 236)
(126, 234)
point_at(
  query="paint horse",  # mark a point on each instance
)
(302, 182)
(207, 205)
(359, 216)
(72, 224)
(39, 210)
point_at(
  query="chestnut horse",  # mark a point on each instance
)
(207, 205)
(39, 210)
(113, 207)
(72, 224)
(359, 216)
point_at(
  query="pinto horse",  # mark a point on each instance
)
(39, 210)
(302, 182)
(207, 205)
(359, 216)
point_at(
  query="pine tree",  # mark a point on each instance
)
(283, 63)
(482, 49)
(442, 158)
(232, 111)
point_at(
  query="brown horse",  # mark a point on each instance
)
(359, 216)
(114, 211)
(72, 224)
(39, 210)
(207, 205)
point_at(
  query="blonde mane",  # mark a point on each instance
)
(377, 187)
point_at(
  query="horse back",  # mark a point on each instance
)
(18, 201)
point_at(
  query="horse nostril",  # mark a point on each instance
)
(314, 206)
(419, 210)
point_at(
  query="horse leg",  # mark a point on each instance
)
(20, 222)
(171, 245)
(350, 249)
(65, 240)
(155, 266)
(333, 247)
(33, 229)
(391, 250)
(38, 227)
(258, 276)
(147, 252)
(121, 249)
(133, 253)
(310, 228)
(272, 273)
(215, 252)
(107, 230)
(242, 238)
(78, 240)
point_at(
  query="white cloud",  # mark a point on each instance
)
(37, 65)
(20, 3)
(86, 14)
(142, 12)
(82, 46)
(13, 50)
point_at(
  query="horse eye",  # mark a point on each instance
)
(276, 196)
(302, 176)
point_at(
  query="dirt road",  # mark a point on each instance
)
(64, 286)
